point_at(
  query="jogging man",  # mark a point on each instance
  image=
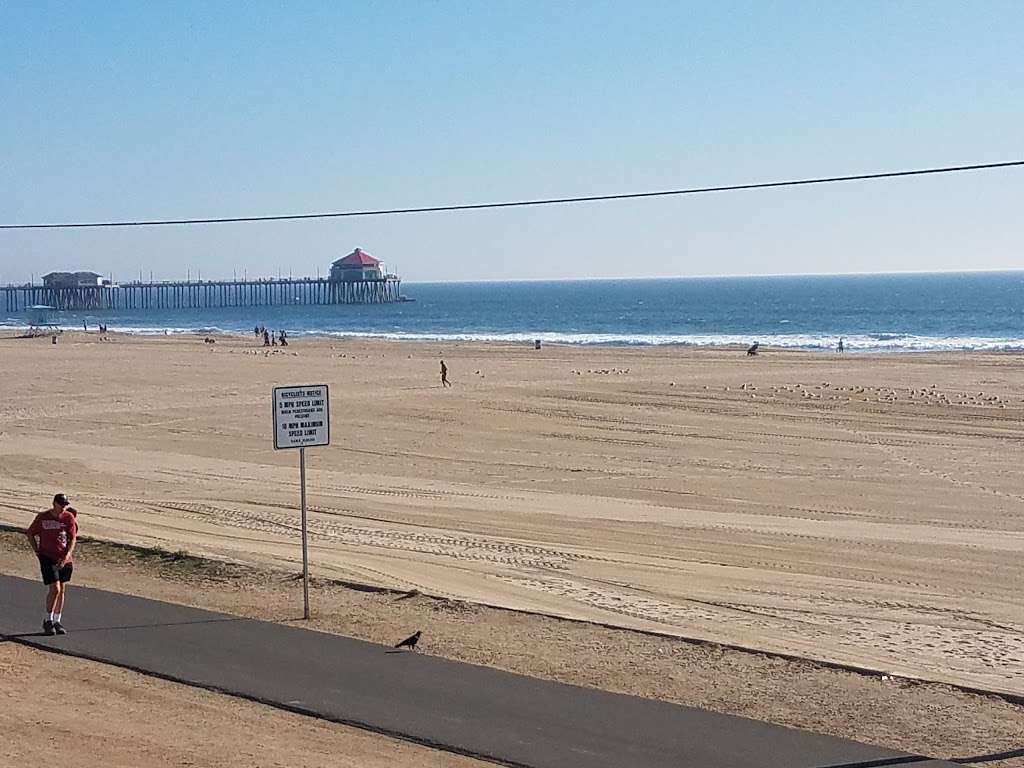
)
(444, 375)
(56, 530)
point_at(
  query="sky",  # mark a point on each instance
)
(114, 111)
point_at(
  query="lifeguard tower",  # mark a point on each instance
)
(39, 321)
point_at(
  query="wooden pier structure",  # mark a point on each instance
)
(204, 294)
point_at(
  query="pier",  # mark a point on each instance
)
(204, 294)
(355, 279)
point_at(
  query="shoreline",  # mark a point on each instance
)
(525, 341)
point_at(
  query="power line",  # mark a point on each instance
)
(523, 203)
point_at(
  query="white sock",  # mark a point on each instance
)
(56, 617)
(50, 615)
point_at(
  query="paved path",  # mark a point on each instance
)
(473, 710)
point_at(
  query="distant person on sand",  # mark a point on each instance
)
(444, 375)
(256, 331)
(266, 338)
(753, 349)
(840, 347)
(284, 339)
(53, 535)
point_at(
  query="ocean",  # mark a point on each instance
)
(894, 312)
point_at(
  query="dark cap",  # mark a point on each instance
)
(61, 500)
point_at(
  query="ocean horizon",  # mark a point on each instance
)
(870, 312)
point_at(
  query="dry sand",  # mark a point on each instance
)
(860, 509)
(55, 710)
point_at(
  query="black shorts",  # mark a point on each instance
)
(51, 573)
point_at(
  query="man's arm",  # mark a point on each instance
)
(31, 534)
(71, 545)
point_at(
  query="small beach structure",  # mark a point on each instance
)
(39, 320)
(39, 314)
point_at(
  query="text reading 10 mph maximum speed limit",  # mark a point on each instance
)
(302, 416)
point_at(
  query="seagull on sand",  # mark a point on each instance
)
(411, 640)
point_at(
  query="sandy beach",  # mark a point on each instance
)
(859, 509)
(113, 718)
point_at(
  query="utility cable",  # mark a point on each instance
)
(524, 203)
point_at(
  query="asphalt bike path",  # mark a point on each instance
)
(487, 713)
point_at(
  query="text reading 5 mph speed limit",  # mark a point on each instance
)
(301, 416)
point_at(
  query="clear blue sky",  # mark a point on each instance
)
(150, 110)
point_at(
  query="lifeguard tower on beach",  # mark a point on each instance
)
(39, 314)
(39, 320)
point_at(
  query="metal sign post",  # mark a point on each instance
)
(305, 545)
(302, 419)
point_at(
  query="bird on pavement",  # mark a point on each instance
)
(411, 640)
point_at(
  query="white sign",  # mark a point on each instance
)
(302, 416)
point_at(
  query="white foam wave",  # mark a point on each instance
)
(864, 343)
(876, 342)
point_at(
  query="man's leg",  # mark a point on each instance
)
(58, 603)
(51, 601)
(52, 595)
(58, 607)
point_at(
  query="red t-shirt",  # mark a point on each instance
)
(55, 533)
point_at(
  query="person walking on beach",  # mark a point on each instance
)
(840, 347)
(53, 535)
(266, 338)
(444, 375)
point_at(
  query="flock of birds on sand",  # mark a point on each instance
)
(601, 371)
(826, 391)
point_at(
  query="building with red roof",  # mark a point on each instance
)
(356, 267)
